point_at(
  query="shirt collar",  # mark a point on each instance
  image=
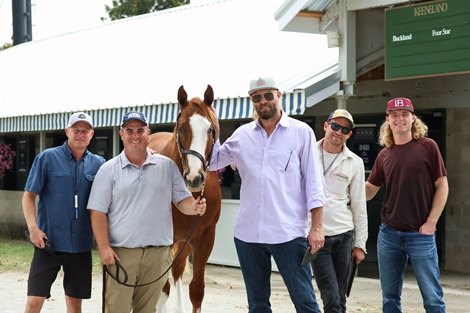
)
(346, 152)
(284, 121)
(150, 159)
(68, 152)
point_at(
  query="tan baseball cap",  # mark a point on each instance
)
(342, 113)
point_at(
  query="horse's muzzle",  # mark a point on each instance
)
(196, 183)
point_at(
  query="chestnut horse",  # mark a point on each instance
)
(190, 146)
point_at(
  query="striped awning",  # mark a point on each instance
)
(293, 103)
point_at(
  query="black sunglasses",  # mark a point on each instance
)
(335, 127)
(268, 96)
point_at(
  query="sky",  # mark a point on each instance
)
(49, 21)
(144, 60)
(52, 17)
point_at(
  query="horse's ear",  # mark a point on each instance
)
(209, 95)
(182, 96)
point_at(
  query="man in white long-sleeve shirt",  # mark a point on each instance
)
(344, 212)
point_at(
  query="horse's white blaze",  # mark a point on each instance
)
(200, 127)
(162, 306)
(179, 296)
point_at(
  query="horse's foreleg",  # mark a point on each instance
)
(180, 308)
(162, 306)
(202, 248)
(178, 268)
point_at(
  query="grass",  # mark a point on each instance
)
(16, 255)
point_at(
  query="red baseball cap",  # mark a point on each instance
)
(400, 103)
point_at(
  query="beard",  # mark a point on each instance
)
(266, 112)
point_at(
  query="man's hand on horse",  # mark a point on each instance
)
(200, 206)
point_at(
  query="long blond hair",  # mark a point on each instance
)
(418, 130)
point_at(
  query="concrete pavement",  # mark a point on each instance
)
(225, 293)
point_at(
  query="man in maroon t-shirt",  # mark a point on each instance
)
(413, 172)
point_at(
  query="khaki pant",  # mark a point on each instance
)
(142, 265)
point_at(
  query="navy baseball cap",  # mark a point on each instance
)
(133, 116)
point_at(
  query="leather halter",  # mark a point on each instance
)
(182, 152)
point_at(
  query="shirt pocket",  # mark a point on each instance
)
(284, 160)
(339, 183)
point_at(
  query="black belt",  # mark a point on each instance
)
(144, 247)
(149, 247)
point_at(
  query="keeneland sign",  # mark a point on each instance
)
(431, 9)
(427, 39)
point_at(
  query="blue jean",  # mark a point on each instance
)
(395, 248)
(255, 263)
(330, 268)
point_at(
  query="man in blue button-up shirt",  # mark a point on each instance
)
(282, 184)
(59, 226)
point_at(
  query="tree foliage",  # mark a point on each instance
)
(6, 46)
(127, 8)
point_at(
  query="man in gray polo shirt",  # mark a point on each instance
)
(130, 207)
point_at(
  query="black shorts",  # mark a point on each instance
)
(44, 270)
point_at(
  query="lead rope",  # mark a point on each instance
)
(119, 266)
(183, 162)
(104, 290)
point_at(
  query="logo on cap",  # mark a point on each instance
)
(400, 104)
(261, 83)
(133, 115)
(80, 117)
(130, 116)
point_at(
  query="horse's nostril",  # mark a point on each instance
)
(195, 182)
(198, 179)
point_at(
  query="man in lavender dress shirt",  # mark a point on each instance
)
(281, 184)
